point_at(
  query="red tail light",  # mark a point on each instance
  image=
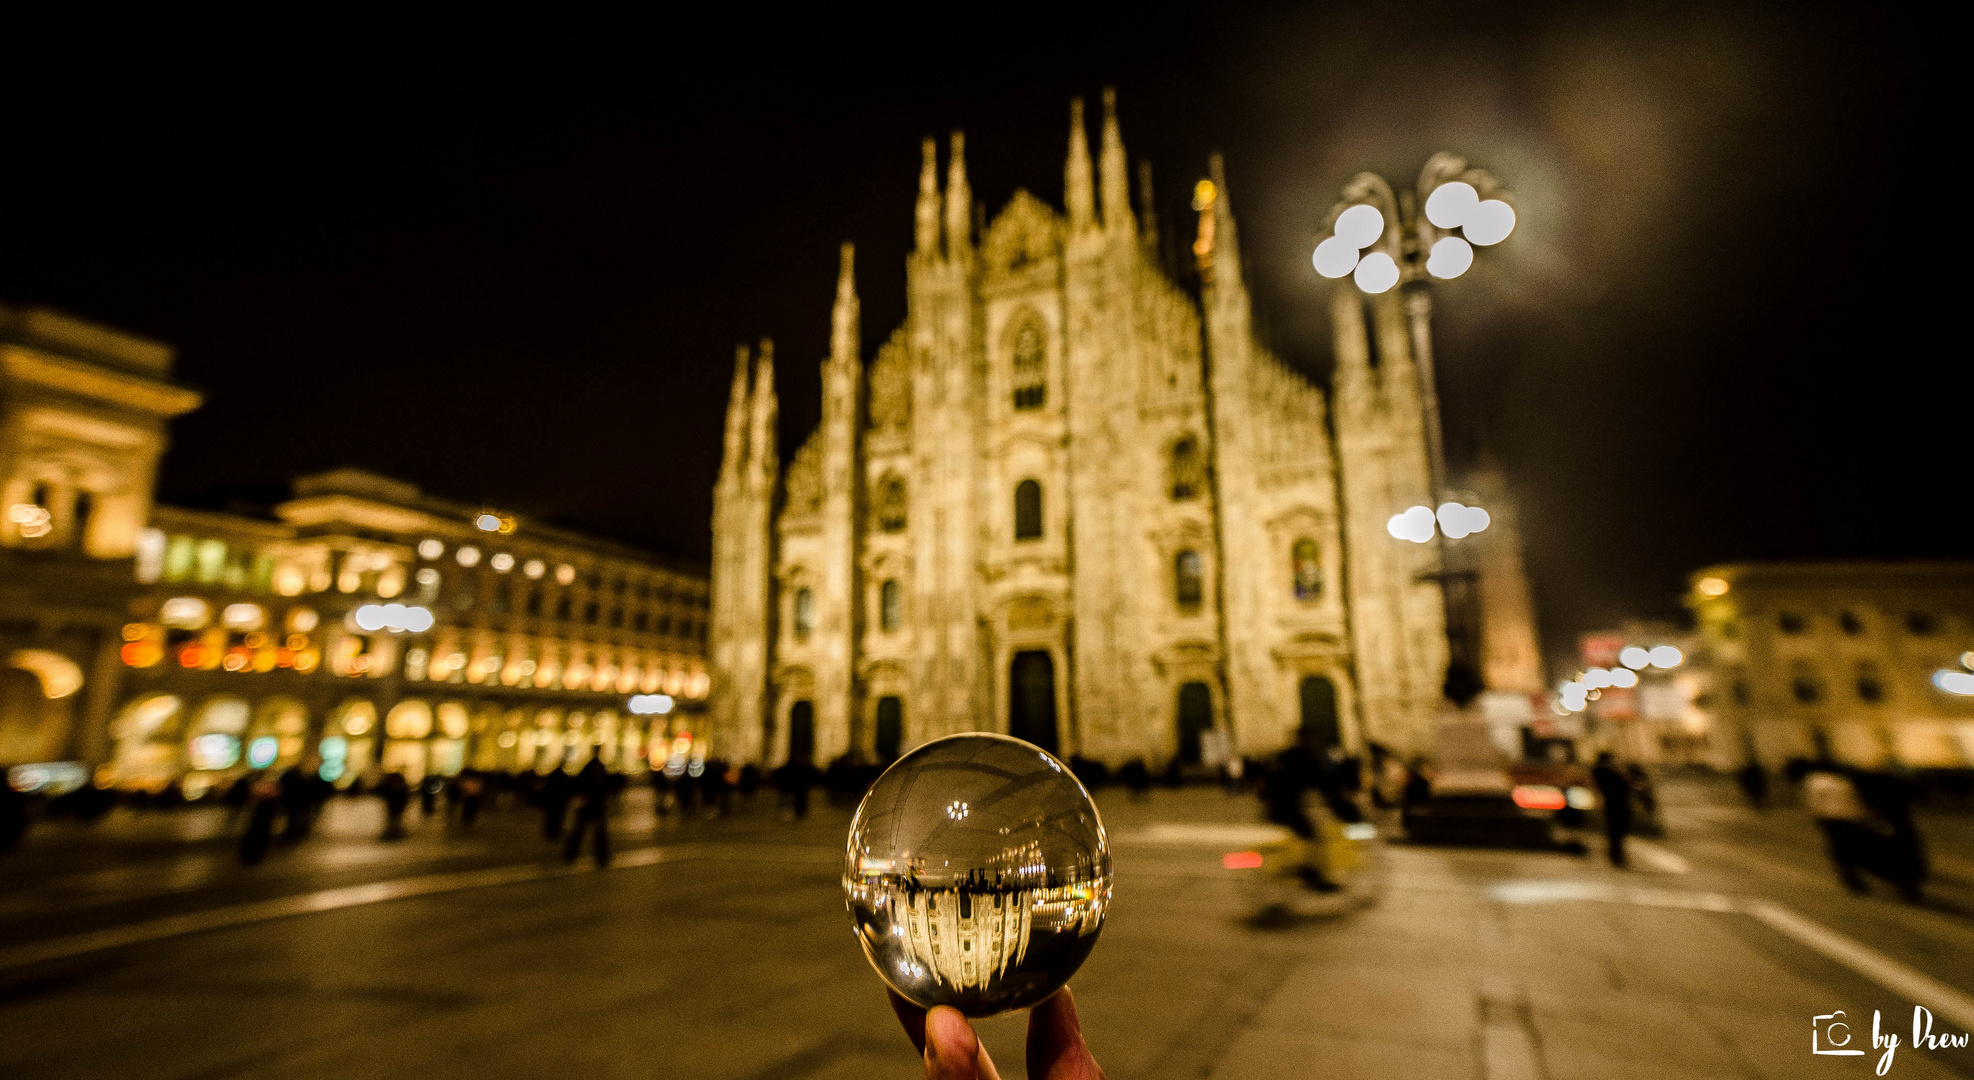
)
(1539, 797)
(1241, 860)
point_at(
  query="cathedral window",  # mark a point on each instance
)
(1306, 564)
(1030, 368)
(1188, 583)
(1028, 510)
(805, 613)
(890, 506)
(1188, 470)
(890, 605)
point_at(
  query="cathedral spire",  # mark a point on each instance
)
(1226, 251)
(1076, 177)
(763, 459)
(1147, 210)
(843, 328)
(959, 203)
(736, 430)
(1115, 174)
(927, 233)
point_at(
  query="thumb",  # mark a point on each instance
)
(952, 1048)
(1056, 1050)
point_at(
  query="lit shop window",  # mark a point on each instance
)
(185, 613)
(209, 561)
(150, 555)
(243, 617)
(410, 719)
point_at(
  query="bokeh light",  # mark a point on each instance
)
(1377, 273)
(1360, 225)
(1451, 257)
(1335, 257)
(1451, 204)
(1490, 223)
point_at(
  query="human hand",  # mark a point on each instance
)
(952, 1050)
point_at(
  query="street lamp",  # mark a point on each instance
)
(1386, 240)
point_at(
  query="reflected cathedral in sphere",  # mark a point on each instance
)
(1070, 501)
(977, 874)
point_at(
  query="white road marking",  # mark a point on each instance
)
(1915, 986)
(1658, 858)
(1181, 834)
(304, 904)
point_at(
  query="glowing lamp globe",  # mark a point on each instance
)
(1450, 204)
(1376, 273)
(1335, 257)
(1490, 222)
(1361, 225)
(977, 874)
(1450, 258)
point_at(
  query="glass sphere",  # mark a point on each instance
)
(977, 874)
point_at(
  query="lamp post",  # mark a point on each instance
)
(1384, 239)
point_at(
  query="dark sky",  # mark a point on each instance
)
(509, 260)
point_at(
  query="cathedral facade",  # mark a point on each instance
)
(1069, 501)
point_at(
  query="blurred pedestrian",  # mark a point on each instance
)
(592, 789)
(472, 790)
(297, 801)
(396, 793)
(428, 794)
(266, 802)
(554, 801)
(1137, 778)
(1615, 789)
(795, 779)
(1866, 818)
(1754, 783)
(13, 814)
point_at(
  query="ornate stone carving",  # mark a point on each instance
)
(1026, 232)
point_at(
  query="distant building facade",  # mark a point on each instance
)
(1069, 502)
(363, 622)
(1844, 658)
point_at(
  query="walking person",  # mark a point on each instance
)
(1754, 783)
(266, 800)
(472, 790)
(592, 787)
(555, 789)
(396, 793)
(1615, 789)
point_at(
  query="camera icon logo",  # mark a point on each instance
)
(1832, 1035)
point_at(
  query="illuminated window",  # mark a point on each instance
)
(805, 613)
(890, 605)
(180, 555)
(889, 506)
(209, 561)
(1188, 584)
(1306, 565)
(1188, 470)
(150, 555)
(1028, 510)
(1030, 366)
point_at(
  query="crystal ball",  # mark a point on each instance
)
(977, 874)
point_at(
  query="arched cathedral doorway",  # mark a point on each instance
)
(1032, 698)
(1319, 712)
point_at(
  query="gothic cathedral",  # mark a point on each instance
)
(1068, 502)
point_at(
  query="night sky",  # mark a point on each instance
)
(510, 260)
